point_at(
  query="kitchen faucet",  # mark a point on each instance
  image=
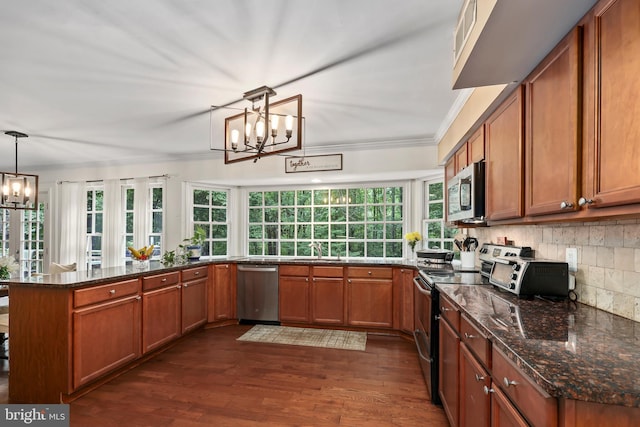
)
(318, 247)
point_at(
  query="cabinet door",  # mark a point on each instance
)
(160, 317)
(475, 146)
(615, 168)
(105, 337)
(475, 405)
(448, 370)
(194, 304)
(503, 413)
(504, 169)
(370, 302)
(462, 160)
(404, 279)
(553, 130)
(327, 300)
(222, 295)
(294, 299)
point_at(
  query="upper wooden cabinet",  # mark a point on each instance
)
(612, 104)
(553, 137)
(475, 146)
(462, 158)
(504, 152)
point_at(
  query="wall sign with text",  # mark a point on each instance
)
(329, 162)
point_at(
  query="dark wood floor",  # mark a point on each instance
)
(210, 379)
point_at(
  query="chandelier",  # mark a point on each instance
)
(264, 129)
(18, 191)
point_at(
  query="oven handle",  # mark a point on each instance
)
(416, 337)
(418, 283)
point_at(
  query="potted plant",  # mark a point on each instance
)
(193, 245)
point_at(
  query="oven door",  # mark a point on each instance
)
(425, 338)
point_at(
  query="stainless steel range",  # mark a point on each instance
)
(437, 268)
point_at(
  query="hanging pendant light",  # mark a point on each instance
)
(18, 191)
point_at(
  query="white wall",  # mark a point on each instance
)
(359, 165)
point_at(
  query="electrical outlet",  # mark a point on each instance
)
(571, 256)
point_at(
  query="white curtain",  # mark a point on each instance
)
(141, 212)
(112, 231)
(73, 224)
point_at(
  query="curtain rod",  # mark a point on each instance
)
(121, 179)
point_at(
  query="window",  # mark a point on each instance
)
(128, 206)
(95, 206)
(4, 232)
(354, 222)
(154, 214)
(210, 212)
(437, 235)
(33, 241)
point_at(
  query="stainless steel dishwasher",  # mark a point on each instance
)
(258, 293)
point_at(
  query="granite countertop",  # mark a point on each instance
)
(74, 279)
(569, 349)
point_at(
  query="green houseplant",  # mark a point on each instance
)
(193, 245)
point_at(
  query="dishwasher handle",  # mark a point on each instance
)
(260, 269)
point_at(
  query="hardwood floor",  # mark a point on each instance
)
(210, 379)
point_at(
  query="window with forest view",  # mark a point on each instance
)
(211, 215)
(33, 240)
(95, 215)
(437, 235)
(154, 215)
(347, 222)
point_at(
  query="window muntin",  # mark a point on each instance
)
(95, 215)
(154, 214)
(357, 222)
(32, 260)
(210, 211)
(436, 233)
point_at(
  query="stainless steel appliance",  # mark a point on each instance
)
(257, 298)
(489, 252)
(465, 195)
(528, 277)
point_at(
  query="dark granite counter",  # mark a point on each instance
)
(569, 349)
(98, 276)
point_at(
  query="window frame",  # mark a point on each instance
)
(190, 223)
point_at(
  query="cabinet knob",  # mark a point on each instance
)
(185, 285)
(196, 273)
(443, 308)
(437, 317)
(566, 205)
(488, 390)
(348, 280)
(178, 286)
(469, 336)
(479, 377)
(369, 273)
(164, 279)
(508, 383)
(582, 201)
(306, 280)
(314, 279)
(112, 291)
(138, 298)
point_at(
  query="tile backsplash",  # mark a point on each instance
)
(608, 274)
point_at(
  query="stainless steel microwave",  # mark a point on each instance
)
(465, 195)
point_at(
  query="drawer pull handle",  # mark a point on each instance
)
(437, 317)
(488, 390)
(138, 298)
(445, 309)
(508, 383)
(196, 273)
(479, 377)
(469, 336)
(178, 286)
(164, 279)
(112, 291)
(185, 285)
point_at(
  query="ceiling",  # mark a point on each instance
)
(121, 81)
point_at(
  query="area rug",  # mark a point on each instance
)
(344, 340)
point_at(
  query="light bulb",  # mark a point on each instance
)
(260, 130)
(247, 131)
(288, 123)
(5, 190)
(15, 186)
(27, 191)
(274, 125)
(234, 136)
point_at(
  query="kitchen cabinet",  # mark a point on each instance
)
(475, 404)
(403, 282)
(449, 344)
(327, 295)
(504, 159)
(106, 329)
(462, 159)
(293, 298)
(475, 146)
(370, 297)
(161, 310)
(612, 105)
(193, 298)
(222, 292)
(553, 130)
(503, 413)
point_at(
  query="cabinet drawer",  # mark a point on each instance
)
(535, 404)
(328, 271)
(371, 272)
(476, 341)
(194, 273)
(154, 282)
(103, 293)
(450, 312)
(293, 270)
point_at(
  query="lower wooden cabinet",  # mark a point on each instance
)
(503, 413)
(327, 295)
(222, 293)
(193, 299)
(293, 303)
(475, 400)
(161, 316)
(370, 297)
(105, 337)
(403, 280)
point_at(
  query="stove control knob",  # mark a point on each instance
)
(514, 276)
(512, 286)
(516, 267)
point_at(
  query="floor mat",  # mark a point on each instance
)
(327, 338)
